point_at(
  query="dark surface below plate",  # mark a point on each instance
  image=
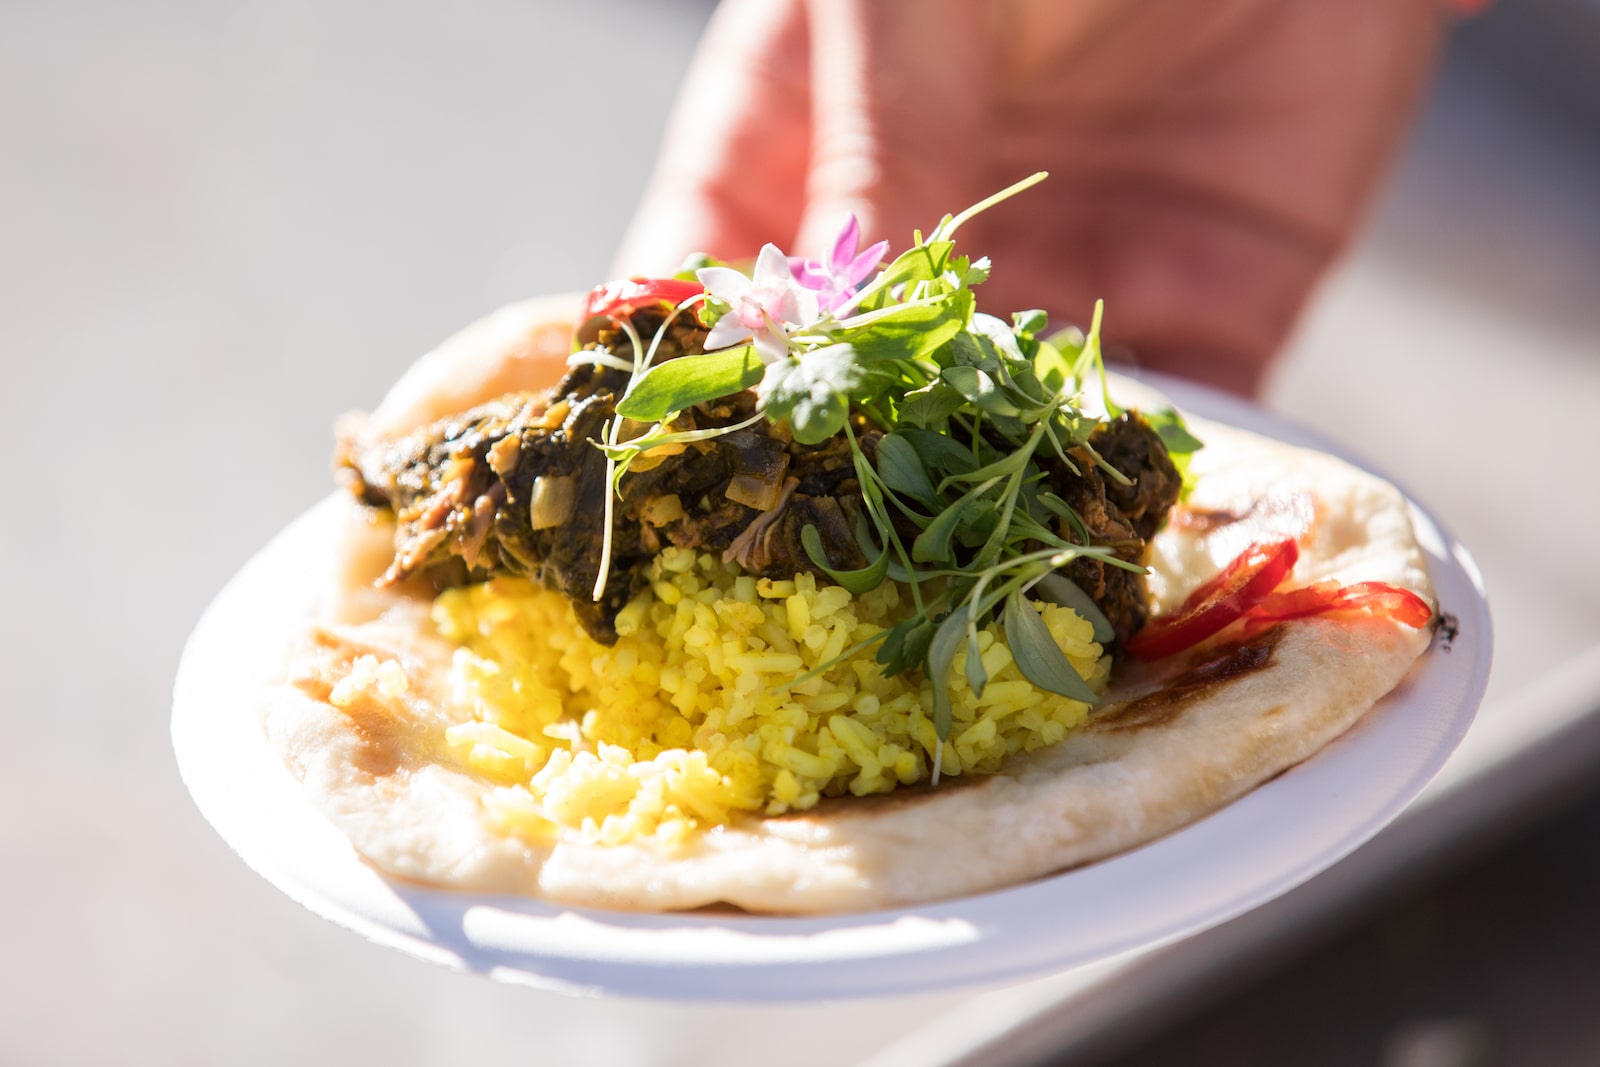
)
(1496, 963)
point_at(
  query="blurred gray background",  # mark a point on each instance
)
(223, 224)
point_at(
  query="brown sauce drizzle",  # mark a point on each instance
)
(1212, 672)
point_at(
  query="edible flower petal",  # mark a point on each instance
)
(836, 278)
(760, 307)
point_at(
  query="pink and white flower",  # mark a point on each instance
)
(761, 307)
(836, 278)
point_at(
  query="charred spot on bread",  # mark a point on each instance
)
(1206, 675)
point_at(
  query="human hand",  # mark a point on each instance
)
(1207, 161)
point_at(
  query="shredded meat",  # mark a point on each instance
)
(1124, 517)
(464, 491)
(518, 486)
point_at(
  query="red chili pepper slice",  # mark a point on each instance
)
(1377, 598)
(620, 299)
(1252, 575)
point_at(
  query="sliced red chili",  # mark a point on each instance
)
(620, 299)
(1252, 575)
(1376, 598)
(1297, 603)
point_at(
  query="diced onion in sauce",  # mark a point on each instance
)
(554, 497)
(761, 493)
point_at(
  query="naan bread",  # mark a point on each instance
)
(1170, 743)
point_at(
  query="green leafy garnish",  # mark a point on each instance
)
(862, 580)
(1181, 444)
(941, 657)
(813, 392)
(1038, 657)
(680, 384)
(970, 418)
(901, 469)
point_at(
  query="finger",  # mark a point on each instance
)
(899, 94)
(730, 175)
(1204, 191)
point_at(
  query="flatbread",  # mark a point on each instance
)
(1169, 744)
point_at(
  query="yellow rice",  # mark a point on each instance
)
(695, 714)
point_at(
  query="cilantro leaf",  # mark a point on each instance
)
(812, 391)
(970, 272)
(931, 406)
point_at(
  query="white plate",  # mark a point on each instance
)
(1249, 852)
